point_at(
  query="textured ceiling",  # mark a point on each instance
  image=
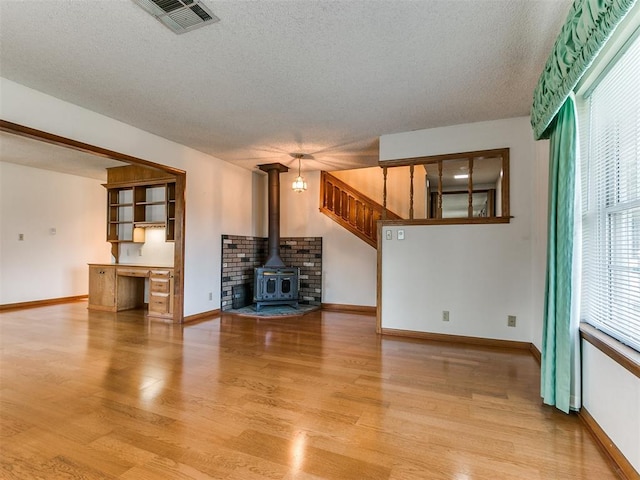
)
(325, 78)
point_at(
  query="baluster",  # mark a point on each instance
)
(384, 193)
(331, 204)
(345, 205)
(353, 210)
(411, 193)
(439, 209)
(470, 188)
(367, 222)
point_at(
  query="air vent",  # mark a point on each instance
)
(179, 15)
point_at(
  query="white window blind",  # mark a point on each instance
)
(611, 201)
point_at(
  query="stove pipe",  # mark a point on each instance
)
(273, 170)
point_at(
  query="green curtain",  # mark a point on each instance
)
(559, 331)
(588, 26)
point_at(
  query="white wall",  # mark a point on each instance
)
(155, 251)
(349, 264)
(218, 198)
(480, 273)
(611, 394)
(45, 266)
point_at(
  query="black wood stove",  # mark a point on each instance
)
(275, 283)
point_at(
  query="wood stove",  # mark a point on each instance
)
(276, 286)
(275, 283)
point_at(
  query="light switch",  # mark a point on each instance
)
(400, 234)
(389, 234)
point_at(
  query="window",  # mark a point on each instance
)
(610, 127)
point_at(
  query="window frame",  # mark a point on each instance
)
(605, 338)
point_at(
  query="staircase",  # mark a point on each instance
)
(351, 209)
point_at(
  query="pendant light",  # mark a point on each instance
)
(298, 185)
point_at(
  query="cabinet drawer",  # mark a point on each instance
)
(159, 285)
(133, 272)
(159, 304)
(160, 274)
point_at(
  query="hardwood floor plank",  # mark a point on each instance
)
(103, 395)
(301, 457)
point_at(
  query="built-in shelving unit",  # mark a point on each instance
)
(150, 205)
(139, 197)
(171, 212)
(140, 206)
(120, 216)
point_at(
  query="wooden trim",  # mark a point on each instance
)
(460, 339)
(506, 190)
(200, 317)
(42, 303)
(358, 309)
(326, 176)
(448, 221)
(343, 209)
(536, 353)
(401, 162)
(625, 356)
(339, 220)
(17, 129)
(179, 246)
(620, 463)
(379, 280)
(137, 183)
(136, 175)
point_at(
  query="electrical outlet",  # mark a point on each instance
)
(389, 234)
(210, 296)
(445, 315)
(511, 321)
(400, 234)
(21, 237)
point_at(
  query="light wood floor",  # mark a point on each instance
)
(99, 395)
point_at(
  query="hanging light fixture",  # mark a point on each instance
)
(298, 185)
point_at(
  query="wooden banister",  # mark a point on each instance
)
(351, 209)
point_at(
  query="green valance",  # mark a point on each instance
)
(588, 26)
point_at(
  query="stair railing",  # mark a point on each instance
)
(351, 209)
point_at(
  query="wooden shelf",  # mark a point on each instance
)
(149, 224)
(138, 197)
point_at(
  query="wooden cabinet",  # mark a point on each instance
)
(161, 293)
(140, 206)
(118, 287)
(102, 288)
(139, 197)
(150, 205)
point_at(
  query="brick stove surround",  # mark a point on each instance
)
(240, 255)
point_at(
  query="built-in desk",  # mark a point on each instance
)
(117, 287)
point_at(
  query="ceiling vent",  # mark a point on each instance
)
(179, 15)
